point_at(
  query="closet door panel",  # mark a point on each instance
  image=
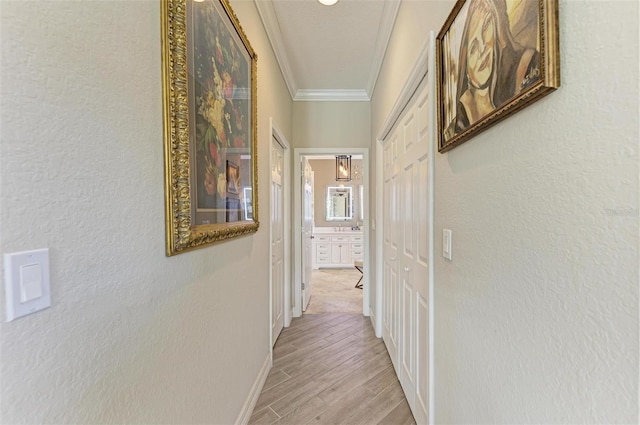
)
(420, 267)
(407, 251)
(390, 248)
(422, 358)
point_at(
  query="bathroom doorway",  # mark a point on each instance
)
(339, 234)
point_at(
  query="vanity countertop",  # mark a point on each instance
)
(345, 230)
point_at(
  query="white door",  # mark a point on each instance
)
(414, 253)
(390, 249)
(277, 240)
(419, 267)
(406, 251)
(307, 232)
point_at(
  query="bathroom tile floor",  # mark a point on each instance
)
(334, 291)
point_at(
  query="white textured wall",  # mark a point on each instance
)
(537, 314)
(331, 125)
(132, 336)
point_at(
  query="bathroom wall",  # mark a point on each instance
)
(325, 175)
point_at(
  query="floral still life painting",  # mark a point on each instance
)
(221, 91)
(210, 101)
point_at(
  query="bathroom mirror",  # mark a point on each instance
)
(339, 203)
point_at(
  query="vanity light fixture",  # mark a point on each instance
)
(328, 2)
(343, 168)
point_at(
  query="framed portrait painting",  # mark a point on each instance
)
(209, 91)
(493, 57)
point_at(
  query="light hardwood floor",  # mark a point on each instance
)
(329, 368)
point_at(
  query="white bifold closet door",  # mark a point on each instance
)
(277, 240)
(406, 250)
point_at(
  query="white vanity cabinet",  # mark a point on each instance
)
(357, 247)
(321, 250)
(337, 250)
(340, 249)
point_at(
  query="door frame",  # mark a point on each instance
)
(298, 153)
(302, 237)
(277, 135)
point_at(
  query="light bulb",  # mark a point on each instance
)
(328, 2)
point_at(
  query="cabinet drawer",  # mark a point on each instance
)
(339, 238)
(356, 255)
(323, 252)
(322, 238)
(356, 239)
(356, 246)
(322, 260)
(324, 246)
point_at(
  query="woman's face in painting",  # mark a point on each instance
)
(480, 48)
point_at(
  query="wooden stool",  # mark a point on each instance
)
(359, 265)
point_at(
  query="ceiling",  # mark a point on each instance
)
(329, 52)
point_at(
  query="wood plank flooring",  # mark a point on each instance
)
(330, 368)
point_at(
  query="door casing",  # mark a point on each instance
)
(298, 153)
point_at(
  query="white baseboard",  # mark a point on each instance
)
(252, 399)
(372, 318)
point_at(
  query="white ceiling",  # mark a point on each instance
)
(329, 52)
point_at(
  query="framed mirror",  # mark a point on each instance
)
(339, 203)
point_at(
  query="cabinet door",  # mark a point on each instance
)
(345, 254)
(336, 248)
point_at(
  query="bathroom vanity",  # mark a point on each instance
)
(336, 248)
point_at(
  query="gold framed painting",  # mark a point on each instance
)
(209, 92)
(493, 58)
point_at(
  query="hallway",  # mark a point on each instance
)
(329, 368)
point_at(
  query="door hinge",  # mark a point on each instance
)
(303, 286)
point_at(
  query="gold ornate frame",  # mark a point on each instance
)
(446, 57)
(183, 232)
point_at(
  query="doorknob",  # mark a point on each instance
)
(313, 237)
(406, 269)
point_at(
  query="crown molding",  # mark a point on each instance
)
(389, 14)
(272, 28)
(331, 96)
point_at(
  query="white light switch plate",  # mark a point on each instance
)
(446, 243)
(26, 280)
